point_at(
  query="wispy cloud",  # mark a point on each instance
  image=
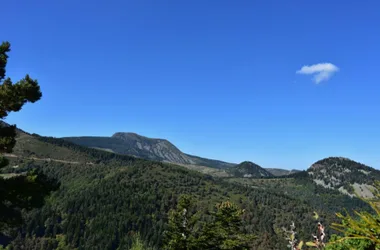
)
(321, 71)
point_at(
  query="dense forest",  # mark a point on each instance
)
(104, 199)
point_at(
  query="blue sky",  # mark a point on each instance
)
(216, 78)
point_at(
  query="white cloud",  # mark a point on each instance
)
(321, 71)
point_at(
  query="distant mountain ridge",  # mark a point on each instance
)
(343, 174)
(133, 144)
(147, 148)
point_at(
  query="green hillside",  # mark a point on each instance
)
(104, 197)
(347, 176)
(248, 169)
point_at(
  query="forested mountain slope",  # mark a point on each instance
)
(104, 197)
(248, 169)
(345, 175)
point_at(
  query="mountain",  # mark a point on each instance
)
(347, 176)
(281, 172)
(104, 198)
(159, 150)
(249, 169)
(137, 145)
(146, 148)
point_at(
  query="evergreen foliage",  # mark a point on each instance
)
(361, 232)
(23, 191)
(222, 230)
(181, 233)
(226, 231)
(13, 96)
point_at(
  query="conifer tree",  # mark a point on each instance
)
(23, 191)
(13, 96)
(361, 232)
(223, 230)
(180, 234)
